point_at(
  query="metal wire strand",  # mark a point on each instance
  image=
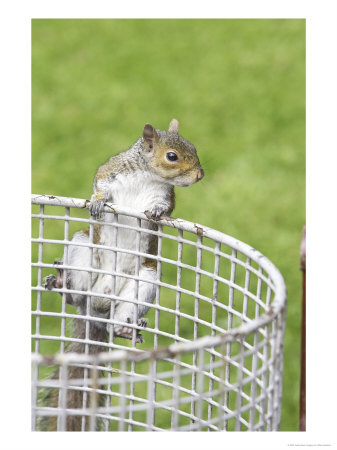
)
(213, 354)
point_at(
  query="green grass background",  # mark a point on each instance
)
(237, 88)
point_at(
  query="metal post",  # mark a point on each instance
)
(302, 424)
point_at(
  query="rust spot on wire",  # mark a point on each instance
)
(168, 218)
(200, 230)
(49, 359)
(162, 353)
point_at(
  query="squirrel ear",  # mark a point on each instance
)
(150, 137)
(174, 126)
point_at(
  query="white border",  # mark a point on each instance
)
(321, 218)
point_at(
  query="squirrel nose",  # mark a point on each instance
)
(200, 174)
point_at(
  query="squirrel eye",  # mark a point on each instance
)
(171, 156)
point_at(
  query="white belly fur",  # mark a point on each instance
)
(141, 193)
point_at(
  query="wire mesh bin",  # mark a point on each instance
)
(212, 350)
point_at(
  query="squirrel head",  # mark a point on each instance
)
(170, 156)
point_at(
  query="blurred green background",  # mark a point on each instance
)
(237, 88)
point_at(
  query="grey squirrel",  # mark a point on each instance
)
(143, 178)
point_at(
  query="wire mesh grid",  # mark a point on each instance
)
(212, 354)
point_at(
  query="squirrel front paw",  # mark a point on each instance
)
(156, 213)
(96, 207)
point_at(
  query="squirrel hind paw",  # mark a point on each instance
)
(142, 322)
(58, 262)
(50, 282)
(139, 339)
(127, 332)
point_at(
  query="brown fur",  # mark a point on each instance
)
(152, 250)
(97, 233)
(187, 163)
(74, 397)
(148, 154)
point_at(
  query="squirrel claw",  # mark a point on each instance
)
(155, 214)
(96, 209)
(148, 214)
(139, 339)
(142, 323)
(50, 282)
(127, 332)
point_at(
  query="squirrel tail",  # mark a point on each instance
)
(75, 397)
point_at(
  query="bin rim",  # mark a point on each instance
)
(277, 306)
